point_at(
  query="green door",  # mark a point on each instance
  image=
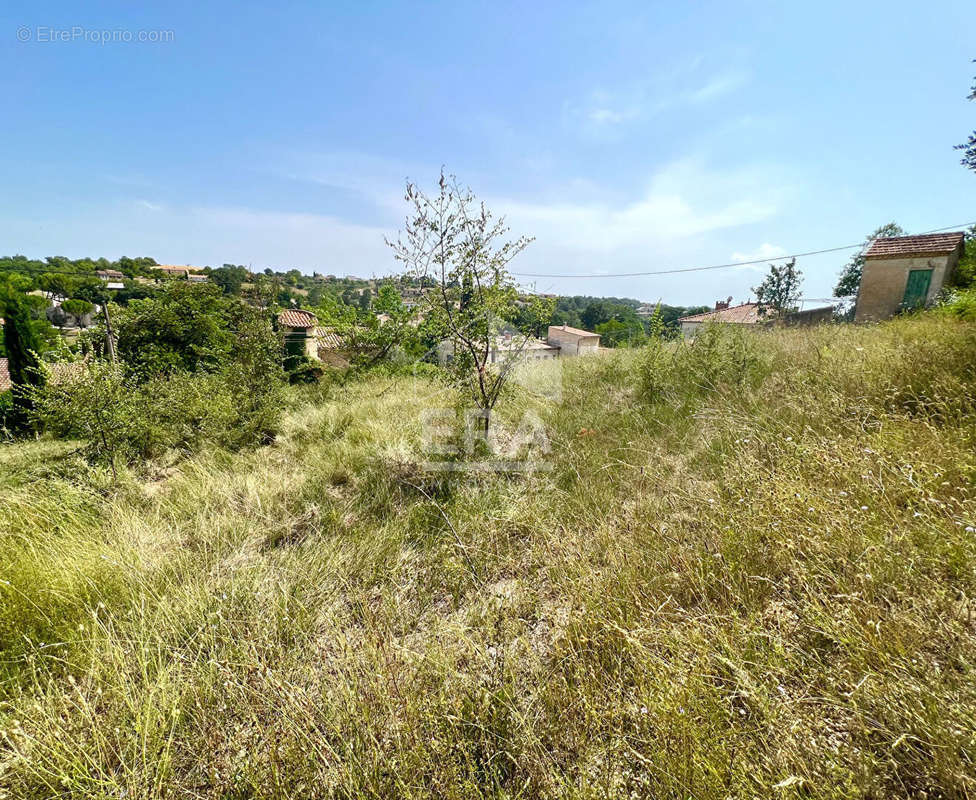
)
(917, 288)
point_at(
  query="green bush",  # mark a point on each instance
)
(961, 305)
(186, 327)
(122, 420)
(195, 367)
(719, 357)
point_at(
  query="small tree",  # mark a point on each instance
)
(229, 278)
(455, 249)
(779, 292)
(369, 339)
(185, 326)
(850, 276)
(95, 404)
(77, 308)
(969, 146)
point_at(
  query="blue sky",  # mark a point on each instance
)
(624, 136)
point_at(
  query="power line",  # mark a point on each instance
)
(724, 266)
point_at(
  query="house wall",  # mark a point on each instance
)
(445, 353)
(588, 346)
(309, 346)
(688, 329)
(572, 345)
(883, 283)
(812, 316)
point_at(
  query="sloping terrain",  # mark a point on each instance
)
(746, 571)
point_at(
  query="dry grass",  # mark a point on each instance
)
(753, 586)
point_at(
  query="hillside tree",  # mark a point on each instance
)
(969, 146)
(779, 293)
(850, 276)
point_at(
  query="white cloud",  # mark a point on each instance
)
(717, 86)
(305, 241)
(765, 250)
(380, 180)
(603, 116)
(602, 109)
(684, 199)
(150, 206)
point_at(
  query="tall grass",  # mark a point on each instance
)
(752, 583)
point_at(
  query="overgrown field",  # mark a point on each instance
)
(749, 572)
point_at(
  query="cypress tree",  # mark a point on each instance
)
(22, 345)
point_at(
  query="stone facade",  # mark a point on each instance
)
(573, 341)
(883, 282)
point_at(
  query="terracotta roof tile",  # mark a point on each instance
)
(745, 314)
(328, 339)
(58, 372)
(904, 246)
(296, 318)
(575, 331)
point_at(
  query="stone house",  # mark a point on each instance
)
(300, 329)
(573, 341)
(725, 312)
(503, 348)
(112, 278)
(562, 341)
(905, 272)
(186, 273)
(749, 314)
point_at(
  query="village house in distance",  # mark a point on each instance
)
(905, 272)
(300, 329)
(742, 314)
(561, 341)
(186, 273)
(749, 314)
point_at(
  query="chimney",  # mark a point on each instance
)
(721, 305)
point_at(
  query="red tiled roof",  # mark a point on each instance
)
(296, 318)
(575, 331)
(328, 339)
(931, 244)
(745, 314)
(58, 372)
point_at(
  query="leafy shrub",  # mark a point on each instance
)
(123, 420)
(719, 357)
(185, 327)
(197, 367)
(6, 412)
(961, 305)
